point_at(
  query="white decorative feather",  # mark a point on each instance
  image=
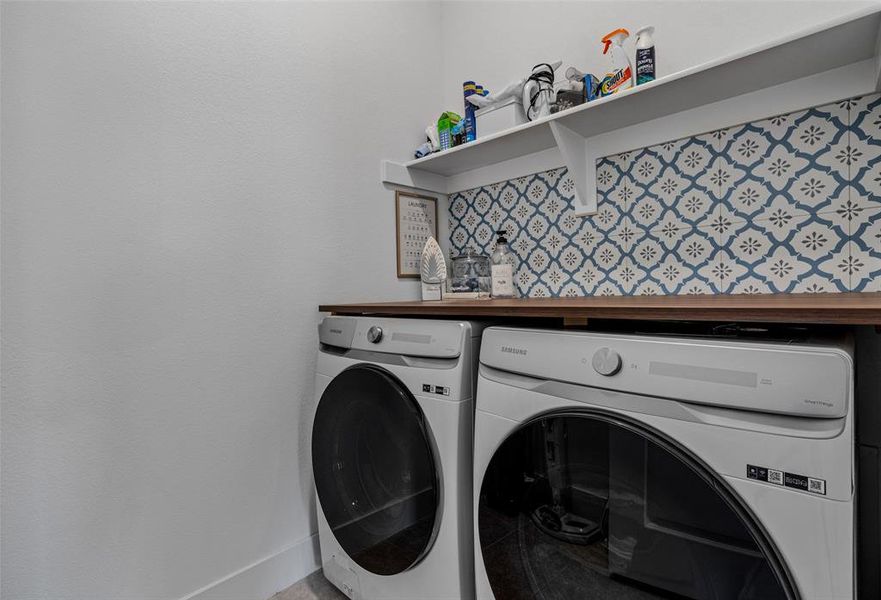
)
(434, 267)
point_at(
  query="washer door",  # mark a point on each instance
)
(592, 506)
(375, 470)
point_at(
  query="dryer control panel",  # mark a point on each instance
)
(794, 379)
(408, 337)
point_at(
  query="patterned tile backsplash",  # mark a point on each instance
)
(787, 204)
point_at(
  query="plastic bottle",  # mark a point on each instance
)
(620, 76)
(469, 88)
(502, 269)
(645, 55)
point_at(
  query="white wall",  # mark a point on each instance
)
(183, 183)
(517, 35)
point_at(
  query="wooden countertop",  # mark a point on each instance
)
(840, 309)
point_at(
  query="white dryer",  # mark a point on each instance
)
(631, 467)
(391, 456)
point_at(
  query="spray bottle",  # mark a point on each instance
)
(645, 55)
(620, 76)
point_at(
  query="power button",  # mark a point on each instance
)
(374, 334)
(606, 362)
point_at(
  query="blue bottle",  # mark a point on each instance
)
(469, 88)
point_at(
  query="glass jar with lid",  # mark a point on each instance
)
(471, 272)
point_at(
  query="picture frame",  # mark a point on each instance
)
(415, 220)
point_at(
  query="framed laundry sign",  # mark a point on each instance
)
(415, 221)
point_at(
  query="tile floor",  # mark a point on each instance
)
(313, 587)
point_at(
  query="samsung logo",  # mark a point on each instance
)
(820, 403)
(513, 350)
(337, 331)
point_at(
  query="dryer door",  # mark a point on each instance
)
(593, 506)
(375, 470)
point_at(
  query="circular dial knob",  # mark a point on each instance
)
(374, 334)
(606, 361)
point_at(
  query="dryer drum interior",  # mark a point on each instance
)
(593, 506)
(375, 470)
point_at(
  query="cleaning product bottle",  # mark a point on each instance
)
(620, 76)
(469, 88)
(445, 125)
(502, 269)
(645, 55)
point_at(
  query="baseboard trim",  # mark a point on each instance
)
(269, 575)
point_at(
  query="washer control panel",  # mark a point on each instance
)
(374, 334)
(606, 362)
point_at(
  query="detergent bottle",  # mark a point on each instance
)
(645, 55)
(620, 76)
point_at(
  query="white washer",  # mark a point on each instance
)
(612, 466)
(391, 456)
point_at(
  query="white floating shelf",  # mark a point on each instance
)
(848, 40)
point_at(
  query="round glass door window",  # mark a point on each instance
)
(375, 470)
(586, 506)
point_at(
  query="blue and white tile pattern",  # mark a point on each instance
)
(787, 204)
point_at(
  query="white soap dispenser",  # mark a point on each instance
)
(502, 269)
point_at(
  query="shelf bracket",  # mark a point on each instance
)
(878, 61)
(581, 165)
(397, 174)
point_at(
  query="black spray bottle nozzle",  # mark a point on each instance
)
(503, 236)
